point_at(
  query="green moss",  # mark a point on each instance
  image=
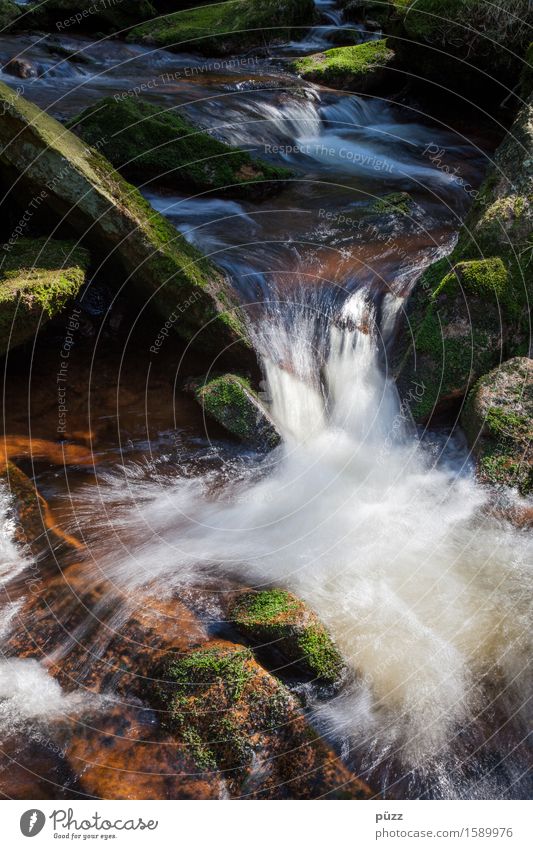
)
(38, 277)
(197, 671)
(277, 617)
(395, 202)
(147, 142)
(231, 401)
(227, 27)
(108, 16)
(350, 66)
(8, 13)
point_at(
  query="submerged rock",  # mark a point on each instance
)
(228, 27)
(147, 142)
(38, 277)
(498, 421)
(470, 310)
(77, 184)
(277, 619)
(236, 717)
(362, 67)
(231, 401)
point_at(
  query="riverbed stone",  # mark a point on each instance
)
(470, 310)
(237, 717)
(38, 278)
(360, 67)
(498, 422)
(226, 28)
(277, 619)
(83, 189)
(231, 401)
(148, 142)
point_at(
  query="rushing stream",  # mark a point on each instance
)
(381, 528)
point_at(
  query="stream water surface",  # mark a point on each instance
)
(379, 526)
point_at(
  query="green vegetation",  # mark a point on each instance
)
(395, 202)
(37, 279)
(8, 13)
(230, 400)
(118, 224)
(109, 16)
(279, 618)
(356, 67)
(147, 142)
(498, 421)
(227, 27)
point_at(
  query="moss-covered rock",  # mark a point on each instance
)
(82, 188)
(236, 717)
(231, 401)
(439, 36)
(38, 277)
(146, 142)
(72, 16)
(395, 203)
(361, 67)
(9, 12)
(361, 10)
(471, 310)
(228, 27)
(498, 421)
(277, 619)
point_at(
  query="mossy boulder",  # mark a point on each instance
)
(470, 310)
(38, 277)
(231, 401)
(228, 27)
(395, 203)
(237, 718)
(71, 16)
(448, 40)
(278, 619)
(361, 67)
(498, 421)
(81, 188)
(9, 12)
(146, 143)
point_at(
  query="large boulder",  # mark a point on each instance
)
(147, 142)
(38, 277)
(464, 44)
(470, 310)
(236, 717)
(498, 421)
(278, 619)
(228, 27)
(230, 400)
(361, 68)
(80, 187)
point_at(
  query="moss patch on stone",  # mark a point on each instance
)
(498, 421)
(279, 618)
(9, 12)
(394, 203)
(231, 401)
(228, 27)
(236, 717)
(146, 142)
(361, 66)
(38, 277)
(113, 218)
(63, 15)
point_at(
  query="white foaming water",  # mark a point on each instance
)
(424, 592)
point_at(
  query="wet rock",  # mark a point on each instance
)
(236, 717)
(359, 10)
(38, 278)
(20, 68)
(470, 310)
(361, 68)
(186, 289)
(279, 620)
(498, 421)
(35, 527)
(220, 29)
(168, 148)
(231, 401)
